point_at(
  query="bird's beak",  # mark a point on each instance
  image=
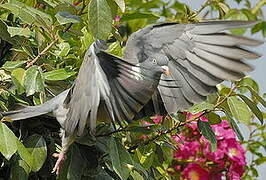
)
(166, 70)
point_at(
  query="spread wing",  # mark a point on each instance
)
(108, 85)
(199, 57)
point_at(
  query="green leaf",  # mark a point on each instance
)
(136, 176)
(115, 49)
(253, 107)
(19, 169)
(64, 17)
(138, 15)
(58, 74)
(213, 118)
(121, 4)
(146, 155)
(17, 76)
(208, 133)
(201, 107)
(28, 14)
(247, 81)
(36, 145)
(260, 161)
(120, 158)
(234, 125)
(257, 96)
(260, 27)
(11, 65)
(33, 80)
(4, 33)
(86, 39)
(24, 154)
(239, 109)
(235, 14)
(16, 31)
(100, 19)
(64, 49)
(8, 142)
(77, 164)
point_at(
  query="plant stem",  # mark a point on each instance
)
(42, 53)
(258, 6)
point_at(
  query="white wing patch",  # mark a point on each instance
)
(137, 72)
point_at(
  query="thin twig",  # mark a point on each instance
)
(42, 53)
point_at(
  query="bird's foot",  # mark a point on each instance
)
(59, 163)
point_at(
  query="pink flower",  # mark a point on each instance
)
(223, 131)
(117, 18)
(188, 150)
(193, 146)
(157, 119)
(194, 171)
(235, 151)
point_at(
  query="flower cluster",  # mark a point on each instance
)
(195, 160)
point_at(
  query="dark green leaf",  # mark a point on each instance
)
(58, 74)
(64, 17)
(234, 125)
(201, 107)
(213, 118)
(36, 145)
(77, 164)
(208, 133)
(19, 169)
(138, 15)
(4, 33)
(33, 80)
(239, 110)
(260, 161)
(8, 142)
(257, 97)
(253, 107)
(100, 18)
(120, 158)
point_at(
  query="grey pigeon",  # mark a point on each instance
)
(198, 56)
(106, 88)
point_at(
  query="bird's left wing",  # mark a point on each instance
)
(199, 57)
(108, 84)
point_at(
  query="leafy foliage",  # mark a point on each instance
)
(42, 46)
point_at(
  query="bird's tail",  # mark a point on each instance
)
(33, 111)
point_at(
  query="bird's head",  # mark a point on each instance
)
(154, 68)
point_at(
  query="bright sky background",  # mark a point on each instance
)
(259, 74)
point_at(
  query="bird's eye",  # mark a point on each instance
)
(154, 61)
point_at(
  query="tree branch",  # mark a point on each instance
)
(42, 53)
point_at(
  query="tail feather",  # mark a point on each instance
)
(33, 111)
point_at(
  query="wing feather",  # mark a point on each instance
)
(200, 56)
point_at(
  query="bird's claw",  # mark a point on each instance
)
(58, 165)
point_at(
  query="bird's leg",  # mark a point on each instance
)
(59, 163)
(66, 142)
